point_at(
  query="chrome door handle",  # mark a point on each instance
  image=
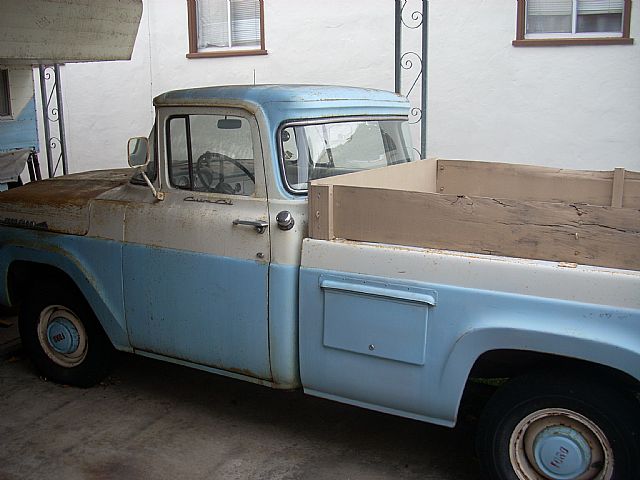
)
(259, 225)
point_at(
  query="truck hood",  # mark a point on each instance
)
(60, 204)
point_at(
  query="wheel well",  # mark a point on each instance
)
(22, 277)
(511, 363)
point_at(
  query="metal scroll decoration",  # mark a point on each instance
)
(411, 21)
(53, 119)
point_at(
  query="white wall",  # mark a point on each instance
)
(106, 103)
(577, 107)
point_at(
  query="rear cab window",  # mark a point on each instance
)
(324, 148)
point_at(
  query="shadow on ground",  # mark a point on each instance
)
(151, 419)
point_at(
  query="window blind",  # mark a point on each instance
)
(213, 23)
(598, 7)
(550, 7)
(245, 22)
(216, 16)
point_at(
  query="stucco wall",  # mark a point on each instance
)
(577, 107)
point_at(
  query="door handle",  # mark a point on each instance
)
(259, 225)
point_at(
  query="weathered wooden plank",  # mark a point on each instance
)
(321, 211)
(592, 235)
(618, 187)
(418, 176)
(528, 182)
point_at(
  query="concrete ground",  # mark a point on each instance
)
(9, 336)
(155, 420)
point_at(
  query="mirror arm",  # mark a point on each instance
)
(157, 195)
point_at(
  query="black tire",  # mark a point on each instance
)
(51, 302)
(552, 399)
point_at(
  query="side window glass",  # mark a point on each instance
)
(211, 153)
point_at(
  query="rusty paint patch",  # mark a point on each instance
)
(60, 204)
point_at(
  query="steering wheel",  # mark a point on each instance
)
(207, 175)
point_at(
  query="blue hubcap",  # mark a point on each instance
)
(63, 336)
(561, 453)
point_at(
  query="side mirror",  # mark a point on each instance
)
(138, 152)
(138, 157)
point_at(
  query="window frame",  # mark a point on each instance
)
(4, 78)
(173, 113)
(557, 40)
(192, 16)
(320, 121)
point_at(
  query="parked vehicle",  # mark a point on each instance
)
(210, 256)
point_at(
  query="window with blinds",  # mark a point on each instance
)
(579, 18)
(228, 24)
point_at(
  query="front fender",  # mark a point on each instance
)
(94, 265)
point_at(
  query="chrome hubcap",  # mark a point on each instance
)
(560, 444)
(62, 336)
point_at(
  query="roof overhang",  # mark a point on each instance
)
(54, 31)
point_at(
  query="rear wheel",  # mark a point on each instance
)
(63, 337)
(544, 427)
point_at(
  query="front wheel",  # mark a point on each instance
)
(63, 337)
(545, 427)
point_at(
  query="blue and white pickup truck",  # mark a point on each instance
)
(201, 257)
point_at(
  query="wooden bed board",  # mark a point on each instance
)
(528, 182)
(418, 176)
(593, 235)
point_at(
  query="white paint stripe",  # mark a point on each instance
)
(579, 283)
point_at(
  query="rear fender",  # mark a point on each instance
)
(612, 347)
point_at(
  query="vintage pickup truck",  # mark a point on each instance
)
(209, 255)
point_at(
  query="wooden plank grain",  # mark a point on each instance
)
(321, 211)
(586, 234)
(535, 183)
(618, 188)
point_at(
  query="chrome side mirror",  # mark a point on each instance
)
(138, 157)
(138, 152)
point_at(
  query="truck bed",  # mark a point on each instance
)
(398, 329)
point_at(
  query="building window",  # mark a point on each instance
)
(224, 28)
(573, 22)
(5, 96)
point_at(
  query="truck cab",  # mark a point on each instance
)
(209, 276)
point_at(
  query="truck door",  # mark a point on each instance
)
(196, 264)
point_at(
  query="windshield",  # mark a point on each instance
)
(319, 150)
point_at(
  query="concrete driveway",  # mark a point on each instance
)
(159, 421)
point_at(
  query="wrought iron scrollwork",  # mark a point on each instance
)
(413, 15)
(416, 17)
(53, 119)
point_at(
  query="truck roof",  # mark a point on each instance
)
(280, 102)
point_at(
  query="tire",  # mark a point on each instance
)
(63, 337)
(560, 427)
